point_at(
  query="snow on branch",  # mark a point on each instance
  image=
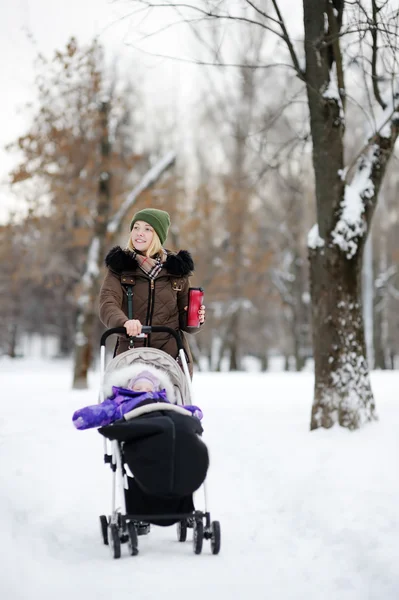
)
(352, 223)
(92, 262)
(388, 115)
(314, 239)
(333, 93)
(146, 182)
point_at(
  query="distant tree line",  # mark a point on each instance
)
(242, 201)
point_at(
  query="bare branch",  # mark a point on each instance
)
(374, 75)
(144, 184)
(211, 64)
(372, 140)
(211, 15)
(333, 26)
(285, 36)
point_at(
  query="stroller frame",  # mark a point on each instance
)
(121, 527)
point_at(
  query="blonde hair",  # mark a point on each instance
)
(154, 249)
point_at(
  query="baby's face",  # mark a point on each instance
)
(143, 386)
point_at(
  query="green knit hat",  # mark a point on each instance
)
(158, 219)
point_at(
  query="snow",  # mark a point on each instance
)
(351, 226)
(92, 262)
(384, 117)
(331, 92)
(304, 515)
(314, 239)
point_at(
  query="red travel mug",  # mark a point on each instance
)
(195, 299)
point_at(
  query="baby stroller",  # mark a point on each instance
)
(157, 457)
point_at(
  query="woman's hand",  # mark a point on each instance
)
(133, 327)
(201, 314)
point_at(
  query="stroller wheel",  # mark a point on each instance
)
(182, 530)
(104, 528)
(114, 541)
(198, 536)
(133, 542)
(215, 537)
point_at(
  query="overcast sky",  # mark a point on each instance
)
(30, 26)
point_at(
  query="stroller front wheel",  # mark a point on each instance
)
(104, 528)
(198, 536)
(215, 537)
(133, 541)
(114, 541)
(182, 530)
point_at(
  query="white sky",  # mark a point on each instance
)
(50, 23)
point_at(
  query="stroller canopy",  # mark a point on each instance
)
(156, 358)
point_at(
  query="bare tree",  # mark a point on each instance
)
(340, 38)
(81, 134)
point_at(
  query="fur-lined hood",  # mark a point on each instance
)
(179, 265)
(120, 378)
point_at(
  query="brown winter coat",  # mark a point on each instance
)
(158, 302)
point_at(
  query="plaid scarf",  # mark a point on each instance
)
(151, 266)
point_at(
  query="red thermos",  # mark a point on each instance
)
(195, 299)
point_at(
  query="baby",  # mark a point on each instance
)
(143, 388)
(144, 382)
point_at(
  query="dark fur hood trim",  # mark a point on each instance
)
(180, 264)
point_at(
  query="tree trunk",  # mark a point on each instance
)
(234, 361)
(379, 335)
(368, 300)
(12, 340)
(234, 342)
(264, 362)
(91, 283)
(344, 213)
(342, 386)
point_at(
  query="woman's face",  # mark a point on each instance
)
(142, 236)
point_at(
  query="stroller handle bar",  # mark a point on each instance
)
(145, 329)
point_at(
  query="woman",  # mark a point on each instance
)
(148, 285)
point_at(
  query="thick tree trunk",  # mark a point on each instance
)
(345, 206)
(342, 391)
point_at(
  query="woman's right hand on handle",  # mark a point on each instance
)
(133, 327)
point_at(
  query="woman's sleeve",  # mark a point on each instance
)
(182, 302)
(111, 300)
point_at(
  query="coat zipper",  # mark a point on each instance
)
(150, 309)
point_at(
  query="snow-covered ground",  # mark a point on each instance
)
(304, 516)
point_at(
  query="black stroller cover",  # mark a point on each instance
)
(167, 458)
(163, 451)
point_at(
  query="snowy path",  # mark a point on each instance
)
(304, 516)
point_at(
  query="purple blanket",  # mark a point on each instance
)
(116, 406)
